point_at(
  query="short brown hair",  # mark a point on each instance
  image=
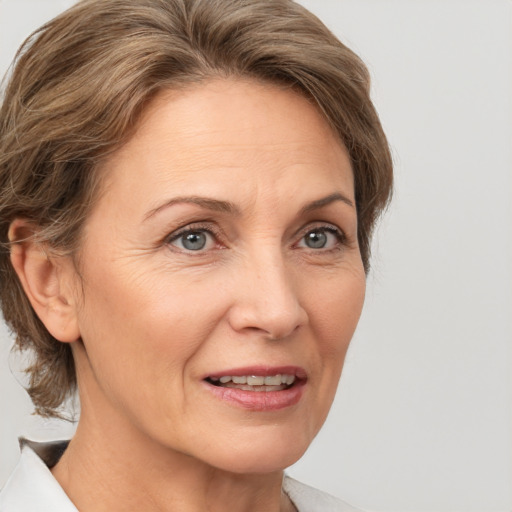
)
(80, 83)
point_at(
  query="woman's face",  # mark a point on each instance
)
(220, 278)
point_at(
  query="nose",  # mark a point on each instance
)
(266, 299)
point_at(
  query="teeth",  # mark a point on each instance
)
(290, 379)
(273, 381)
(255, 380)
(246, 387)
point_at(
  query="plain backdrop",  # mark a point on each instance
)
(423, 418)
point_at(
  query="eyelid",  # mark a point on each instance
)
(323, 226)
(204, 227)
(329, 226)
(213, 230)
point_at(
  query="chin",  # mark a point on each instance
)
(261, 463)
(259, 453)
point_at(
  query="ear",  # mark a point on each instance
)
(47, 280)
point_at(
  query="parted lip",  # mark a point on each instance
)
(261, 371)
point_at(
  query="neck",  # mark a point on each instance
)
(129, 473)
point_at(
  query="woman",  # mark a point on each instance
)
(188, 193)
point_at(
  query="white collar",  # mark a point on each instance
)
(32, 487)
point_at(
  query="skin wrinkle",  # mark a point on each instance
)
(177, 203)
(156, 320)
(228, 207)
(101, 107)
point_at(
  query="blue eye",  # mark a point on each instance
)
(316, 239)
(321, 238)
(193, 240)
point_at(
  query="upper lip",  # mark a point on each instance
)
(261, 371)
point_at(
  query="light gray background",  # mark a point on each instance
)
(423, 418)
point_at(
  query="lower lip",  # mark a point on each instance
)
(259, 400)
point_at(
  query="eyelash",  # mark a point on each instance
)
(323, 228)
(216, 235)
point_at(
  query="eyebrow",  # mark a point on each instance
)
(228, 207)
(204, 202)
(325, 201)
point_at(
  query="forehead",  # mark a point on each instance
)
(221, 130)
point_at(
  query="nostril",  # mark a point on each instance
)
(279, 335)
(268, 305)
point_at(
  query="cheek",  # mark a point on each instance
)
(335, 311)
(334, 314)
(133, 323)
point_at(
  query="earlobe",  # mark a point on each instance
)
(46, 280)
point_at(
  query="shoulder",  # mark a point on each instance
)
(32, 487)
(309, 499)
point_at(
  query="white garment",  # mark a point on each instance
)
(32, 487)
(309, 499)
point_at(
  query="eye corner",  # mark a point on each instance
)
(322, 238)
(194, 239)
